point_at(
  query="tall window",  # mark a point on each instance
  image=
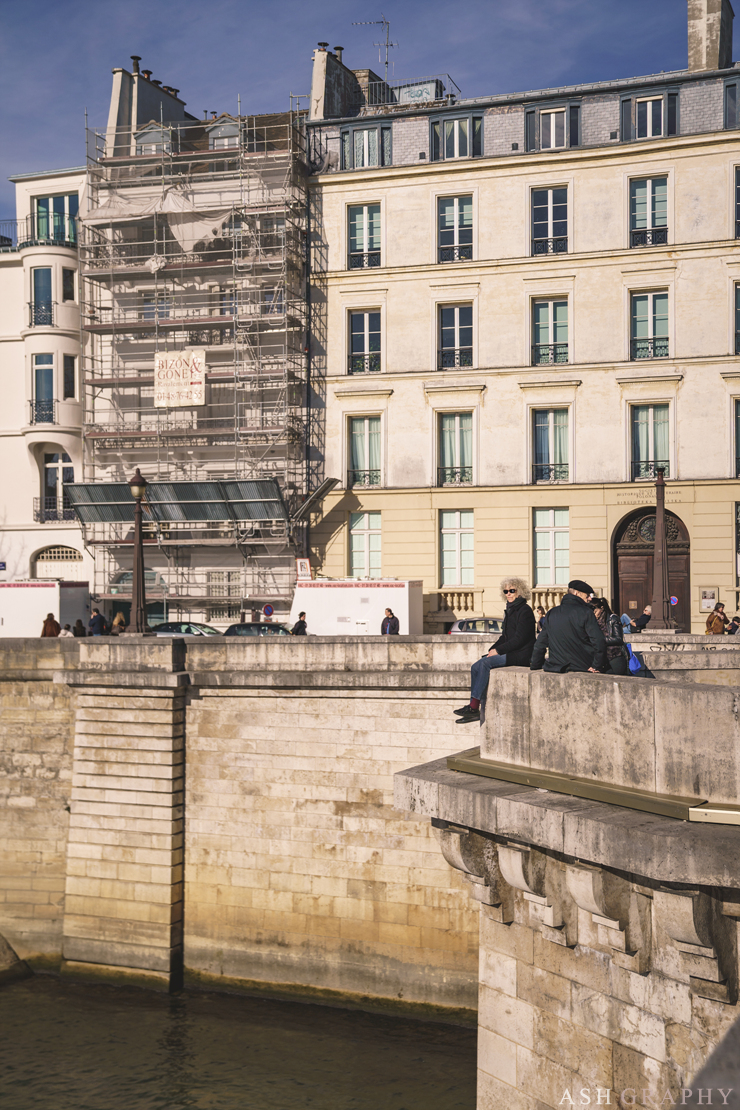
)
(649, 325)
(550, 445)
(550, 332)
(737, 319)
(649, 212)
(460, 137)
(551, 547)
(737, 202)
(552, 129)
(455, 448)
(456, 546)
(737, 443)
(649, 440)
(455, 336)
(649, 118)
(58, 471)
(226, 584)
(731, 105)
(364, 545)
(56, 218)
(366, 146)
(364, 236)
(454, 229)
(364, 451)
(70, 378)
(155, 306)
(68, 285)
(42, 405)
(364, 336)
(550, 221)
(42, 309)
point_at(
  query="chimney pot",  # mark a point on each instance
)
(323, 45)
(338, 51)
(135, 58)
(175, 92)
(214, 114)
(157, 83)
(146, 73)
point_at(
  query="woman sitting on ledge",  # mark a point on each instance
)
(512, 649)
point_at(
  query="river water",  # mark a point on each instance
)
(69, 1046)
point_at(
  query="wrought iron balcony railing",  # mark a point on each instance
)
(463, 252)
(48, 510)
(556, 245)
(56, 230)
(545, 354)
(43, 412)
(649, 470)
(454, 475)
(364, 260)
(649, 237)
(453, 358)
(649, 348)
(364, 478)
(41, 314)
(365, 364)
(550, 472)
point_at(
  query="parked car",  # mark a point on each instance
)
(257, 628)
(479, 624)
(184, 628)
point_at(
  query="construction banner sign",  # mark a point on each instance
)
(179, 379)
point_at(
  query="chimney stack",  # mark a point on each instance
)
(710, 34)
(338, 51)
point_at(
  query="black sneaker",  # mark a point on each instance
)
(462, 711)
(468, 716)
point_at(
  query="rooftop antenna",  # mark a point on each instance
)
(387, 44)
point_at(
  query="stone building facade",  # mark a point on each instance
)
(523, 306)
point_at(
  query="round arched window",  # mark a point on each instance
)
(58, 562)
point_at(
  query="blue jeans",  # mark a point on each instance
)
(480, 673)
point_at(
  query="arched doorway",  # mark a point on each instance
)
(633, 564)
(58, 562)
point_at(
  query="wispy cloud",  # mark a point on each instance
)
(56, 56)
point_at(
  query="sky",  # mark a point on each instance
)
(56, 56)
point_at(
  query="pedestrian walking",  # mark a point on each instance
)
(389, 625)
(617, 656)
(97, 623)
(717, 620)
(539, 615)
(571, 637)
(51, 626)
(512, 649)
(79, 629)
(66, 632)
(300, 626)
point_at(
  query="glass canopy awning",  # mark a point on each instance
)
(179, 502)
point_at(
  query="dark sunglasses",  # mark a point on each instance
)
(510, 591)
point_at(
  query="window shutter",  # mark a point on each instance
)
(531, 131)
(385, 149)
(672, 121)
(574, 136)
(477, 136)
(435, 140)
(346, 151)
(626, 121)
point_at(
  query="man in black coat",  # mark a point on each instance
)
(571, 636)
(512, 649)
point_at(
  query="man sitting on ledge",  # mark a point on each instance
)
(512, 649)
(571, 636)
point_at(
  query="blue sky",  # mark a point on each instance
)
(56, 56)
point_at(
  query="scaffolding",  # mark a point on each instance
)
(194, 238)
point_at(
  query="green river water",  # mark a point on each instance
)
(69, 1046)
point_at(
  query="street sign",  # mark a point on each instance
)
(674, 601)
(268, 610)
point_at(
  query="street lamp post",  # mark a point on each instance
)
(137, 485)
(661, 607)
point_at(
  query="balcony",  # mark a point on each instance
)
(364, 364)
(52, 510)
(557, 245)
(547, 354)
(41, 314)
(461, 253)
(648, 471)
(550, 472)
(649, 237)
(364, 260)
(362, 479)
(454, 476)
(649, 348)
(42, 412)
(60, 231)
(454, 358)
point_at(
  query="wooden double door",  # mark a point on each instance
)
(633, 570)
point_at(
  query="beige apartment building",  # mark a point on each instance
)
(522, 308)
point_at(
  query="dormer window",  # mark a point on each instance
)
(456, 137)
(155, 139)
(223, 135)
